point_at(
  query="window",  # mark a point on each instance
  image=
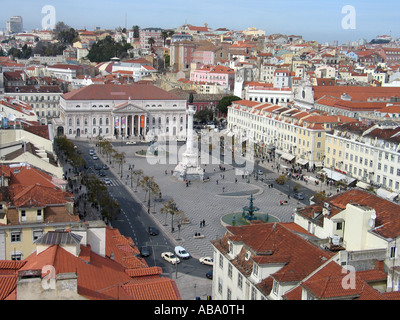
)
(230, 271)
(37, 234)
(392, 252)
(221, 261)
(23, 215)
(16, 256)
(253, 293)
(219, 285)
(16, 236)
(240, 281)
(275, 287)
(255, 269)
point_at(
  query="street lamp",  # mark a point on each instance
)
(149, 185)
(131, 171)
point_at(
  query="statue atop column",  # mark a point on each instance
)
(188, 168)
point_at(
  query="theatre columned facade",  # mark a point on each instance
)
(122, 111)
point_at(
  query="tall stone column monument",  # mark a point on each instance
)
(188, 168)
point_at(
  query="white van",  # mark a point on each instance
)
(181, 252)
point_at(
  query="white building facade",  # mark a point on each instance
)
(122, 111)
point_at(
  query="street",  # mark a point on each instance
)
(225, 193)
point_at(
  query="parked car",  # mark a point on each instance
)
(206, 260)
(144, 251)
(102, 173)
(170, 257)
(209, 274)
(131, 142)
(152, 231)
(107, 181)
(259, 171)
(97, 167)
(181, 252)
(299, 196)
(95, 157)
(105, 167)
(91, 152)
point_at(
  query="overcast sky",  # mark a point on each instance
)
(315, 20)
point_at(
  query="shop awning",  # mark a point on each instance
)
(387, 194)
(302, 161)
(288, 156)
(337, 176)
(363, 185)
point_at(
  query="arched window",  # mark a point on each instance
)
(153, 121)
(85, 121)
(101, 121)
(159, 120)
(69, 121)
(94, 121)
(94, 130)
(107, 121)
(167, 121)
(78, 122)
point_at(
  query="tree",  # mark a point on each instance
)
(164, 35)
(104, 50)
(225, 102)
(170, 207)
(136, 32)
(151, 41)
(204, 115)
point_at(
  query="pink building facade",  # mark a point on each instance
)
(220, 75)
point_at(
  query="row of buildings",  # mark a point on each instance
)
(47, 250)
(342, 248)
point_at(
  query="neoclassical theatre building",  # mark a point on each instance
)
(116, 111)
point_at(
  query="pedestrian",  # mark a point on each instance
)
(204, 223)
(217, 181)
(201, 224)
(223, 189)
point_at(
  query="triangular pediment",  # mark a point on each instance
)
(129, 108)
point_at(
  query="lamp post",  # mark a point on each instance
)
(131, 171)
(149, 184)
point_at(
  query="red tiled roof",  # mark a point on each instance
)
(356, 93)
(102, 278)
(387, 213)
(120, 92)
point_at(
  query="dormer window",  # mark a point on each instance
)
(247, 256)
(255, 269)
(23, 215)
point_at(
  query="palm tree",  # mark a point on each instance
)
(151, 41)
(170, 207)
(164, 35)
(120, 159)
(138, 175)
